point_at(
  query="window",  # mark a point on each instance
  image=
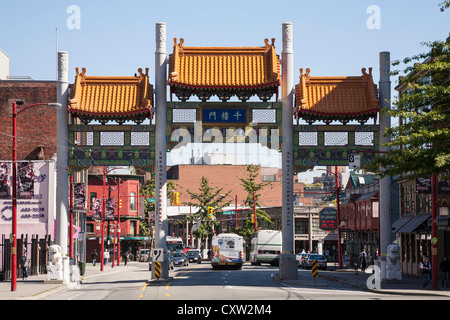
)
(132, 201)
(92, 197)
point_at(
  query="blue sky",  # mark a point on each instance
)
(118, 37)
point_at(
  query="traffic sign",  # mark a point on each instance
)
(315, 268)
(354, 161)
(158, 255)
(157, 270)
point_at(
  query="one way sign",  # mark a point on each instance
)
(354, 161)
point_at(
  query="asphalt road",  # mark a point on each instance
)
(199, 282)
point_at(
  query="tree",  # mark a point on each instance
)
(420, 144)
(206, 197)
(252, 187)
(445, 5)
(148, 190)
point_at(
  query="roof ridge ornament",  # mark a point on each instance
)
(363, 71)
(82, 74)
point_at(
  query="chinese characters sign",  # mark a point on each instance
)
(228, 116)
(328, 219)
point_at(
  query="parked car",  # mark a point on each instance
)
(194, 256)
(180, 259)
(144, 255)
(322, 261)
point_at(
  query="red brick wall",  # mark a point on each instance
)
(35, 126)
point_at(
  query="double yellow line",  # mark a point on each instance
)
(169, 283)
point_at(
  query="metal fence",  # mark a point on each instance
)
(35, 250)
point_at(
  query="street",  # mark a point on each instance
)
(201, 283)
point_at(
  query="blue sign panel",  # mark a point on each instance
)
(224, 115)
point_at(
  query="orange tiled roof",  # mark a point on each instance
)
(336, 96)
(224, 67)
(110, 96)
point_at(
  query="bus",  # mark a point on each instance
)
(228, 251)
(174, 243)
(265, 247)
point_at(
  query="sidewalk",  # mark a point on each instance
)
(35, 287)
(409, 285)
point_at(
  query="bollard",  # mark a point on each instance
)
(315, 270)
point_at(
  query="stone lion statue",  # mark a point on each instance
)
(393, 266)
(54, 263)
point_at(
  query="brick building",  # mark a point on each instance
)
(130, 212)
(36, 127)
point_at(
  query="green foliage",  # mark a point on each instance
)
(148, 190)
(206, 197)
(420, 144)
(251, 186)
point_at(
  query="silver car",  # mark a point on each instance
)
(180, 259)
(321, 260)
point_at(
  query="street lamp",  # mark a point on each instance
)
(14, 187)
(103, 217)
(337, 212)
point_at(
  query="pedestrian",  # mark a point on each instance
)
(105, 257)
(94, 256)
(24, 266)
(125, 257)
(363, 260)
(445, 269)
(425, 266)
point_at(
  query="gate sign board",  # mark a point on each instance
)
(221, 115)
(328, 219)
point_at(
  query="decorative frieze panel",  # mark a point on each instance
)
(330, 145)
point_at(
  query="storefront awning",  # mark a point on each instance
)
(397, 225)
(415, 223)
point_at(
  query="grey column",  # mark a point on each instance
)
(62, 174)
(385, 183)
(288, 263)
(161, 227)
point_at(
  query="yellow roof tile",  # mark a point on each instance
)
(336, 96)
(109, 96)
(224, 67)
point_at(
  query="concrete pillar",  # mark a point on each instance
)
(62, 175)
(288, 263)
(385, 183)
(161, 227)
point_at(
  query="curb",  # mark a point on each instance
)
(383, 291)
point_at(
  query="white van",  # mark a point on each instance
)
(265, 246)
(228, 251)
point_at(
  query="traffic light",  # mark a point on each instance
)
(120, 203)
(176, 198)
(210, 212)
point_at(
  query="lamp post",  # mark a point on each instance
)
(103, 216)
(14, 189)
(337, 212)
